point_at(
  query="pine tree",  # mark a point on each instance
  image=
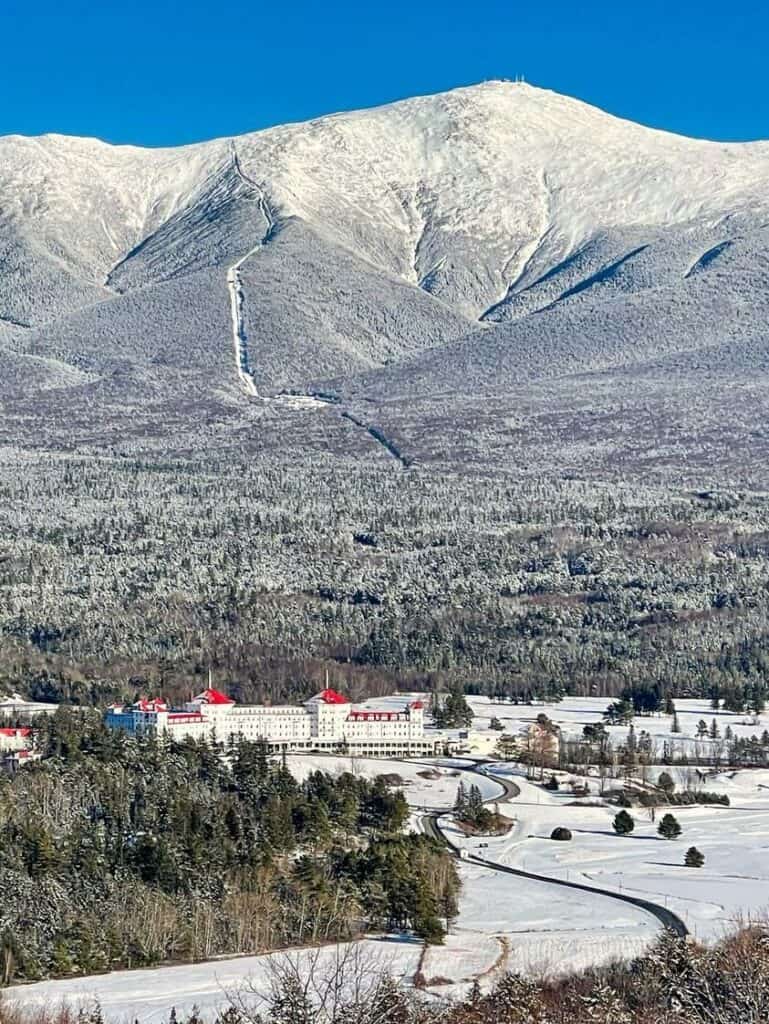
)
(460, 804)
(676, 726)
(623, 824)
(666, 783)
(694, 858)
(620, 712)
(714, 733)
(474, 803)
(669, 827)
(757, 700)
(507, 747)
(291, 1004)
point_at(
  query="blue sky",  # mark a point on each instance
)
(166, 73)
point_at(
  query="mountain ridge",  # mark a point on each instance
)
(351, 250)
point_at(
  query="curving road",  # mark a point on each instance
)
(431, 827)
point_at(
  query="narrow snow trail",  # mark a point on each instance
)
(235, 284)
(239, 337)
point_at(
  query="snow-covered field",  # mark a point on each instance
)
(732, 886)
(429, 785)
(147, 996)
(572, 714)
(539, 928)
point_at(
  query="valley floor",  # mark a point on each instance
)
(509, 923)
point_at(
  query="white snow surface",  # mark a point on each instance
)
(147, 995)
(733, 885)
(433, 793)
(466, 193)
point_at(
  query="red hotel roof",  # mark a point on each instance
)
(16, 732)
(332, 697)
(210, 696)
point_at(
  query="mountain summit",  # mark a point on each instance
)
(373, 240)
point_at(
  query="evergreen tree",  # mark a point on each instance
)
(623, 824)
(694, 858)
(757, 700)
(453, 712)
(291, 1003)
(669, 828)
(474, 802)
(619, 712)
(666, 784)
(460, 804)
(507, 747)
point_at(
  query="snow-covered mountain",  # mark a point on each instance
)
(394, 238)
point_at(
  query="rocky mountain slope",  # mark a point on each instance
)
(444, 248)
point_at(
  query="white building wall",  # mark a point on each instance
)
(319, 724)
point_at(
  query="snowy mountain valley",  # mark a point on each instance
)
(471, 384)
(464, 394)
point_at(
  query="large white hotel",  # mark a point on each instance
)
(326, 722)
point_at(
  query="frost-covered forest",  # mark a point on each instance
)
(121, 853)
(129, 574)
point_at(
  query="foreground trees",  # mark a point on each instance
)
(676, 982)
(118, 852)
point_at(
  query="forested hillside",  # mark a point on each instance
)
(122, 576)
(117, 852)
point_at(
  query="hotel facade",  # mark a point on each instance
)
(327, 722)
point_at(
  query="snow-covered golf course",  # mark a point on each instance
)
(509, 923)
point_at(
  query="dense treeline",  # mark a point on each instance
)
(127, 575)
(676, 982)
(115, 851)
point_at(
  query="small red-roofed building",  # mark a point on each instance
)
(15, 738)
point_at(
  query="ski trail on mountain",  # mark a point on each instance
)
(235, 285)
